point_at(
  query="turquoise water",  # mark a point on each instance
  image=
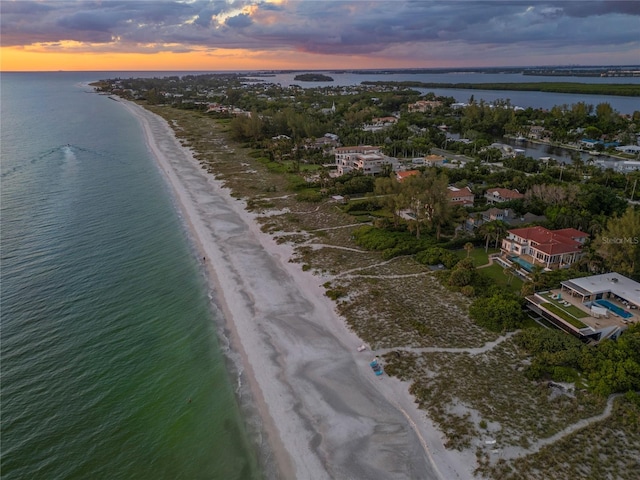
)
(523, 263)
(614, 308)
(111, 366)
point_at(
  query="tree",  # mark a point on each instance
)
(498, 312)
(510, 272)
(388, 188)
(500, 230)
(619, 243)
(469, 248)
(425, 196)
(463, 274)
(487, 230)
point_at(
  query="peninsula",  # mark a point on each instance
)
(316, 279)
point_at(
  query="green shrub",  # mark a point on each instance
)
(437, 255)
(468, 291)
(312, 196)
(498, 312)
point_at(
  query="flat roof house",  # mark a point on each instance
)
(370, 160)
(590, 308)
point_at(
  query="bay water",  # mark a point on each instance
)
(112, 365)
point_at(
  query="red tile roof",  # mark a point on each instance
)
(551, 242)
(571, 233)
(409, 173)
(464, 195)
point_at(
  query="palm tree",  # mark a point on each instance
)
(536, 276)
(487, 231)
(510, 272)
(469, 248)
(500, 230)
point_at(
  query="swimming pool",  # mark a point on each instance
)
(523, 263)
(614, 308)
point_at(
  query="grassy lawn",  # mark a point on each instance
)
(573, 310)
(562, 313)
(479, 256)
(495, 272)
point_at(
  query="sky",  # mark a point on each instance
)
(41, 35)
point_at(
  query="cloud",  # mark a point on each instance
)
(239, 21)
(464, 29)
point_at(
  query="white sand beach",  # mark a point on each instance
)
(325, 413)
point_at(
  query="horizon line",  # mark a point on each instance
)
(449, 69)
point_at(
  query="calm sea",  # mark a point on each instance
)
(111, 366)
(545, 100)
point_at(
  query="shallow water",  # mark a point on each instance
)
(111, 364)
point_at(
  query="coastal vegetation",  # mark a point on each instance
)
(313, 77)
(420, 290)
(624, 89)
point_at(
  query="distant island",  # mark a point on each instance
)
(313, 77)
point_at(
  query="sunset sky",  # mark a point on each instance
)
(281, 34)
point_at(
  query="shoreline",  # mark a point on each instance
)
(324, 412)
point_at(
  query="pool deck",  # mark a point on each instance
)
(612, 320)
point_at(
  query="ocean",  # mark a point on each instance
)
(112, 362)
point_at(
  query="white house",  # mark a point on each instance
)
(632, 149)
(628, 166)
(370, 160)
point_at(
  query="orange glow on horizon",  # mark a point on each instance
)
(75, 58)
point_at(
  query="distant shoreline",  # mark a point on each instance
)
(615, 89)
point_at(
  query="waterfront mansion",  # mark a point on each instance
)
(551, 249)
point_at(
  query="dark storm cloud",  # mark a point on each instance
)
(330, 27)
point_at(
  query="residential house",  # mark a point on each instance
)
(628, 166)
(506, 215)
(380, 123)
(423, 105)
(434, 160)
(537, 132)
(384, 120)
(608, 304)
(590, 143)
(229, 109)
(401, 176)
(328, 141)
(500, 195)
(366, 158)
(460, 196)
(551, 249)
(631, 149)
